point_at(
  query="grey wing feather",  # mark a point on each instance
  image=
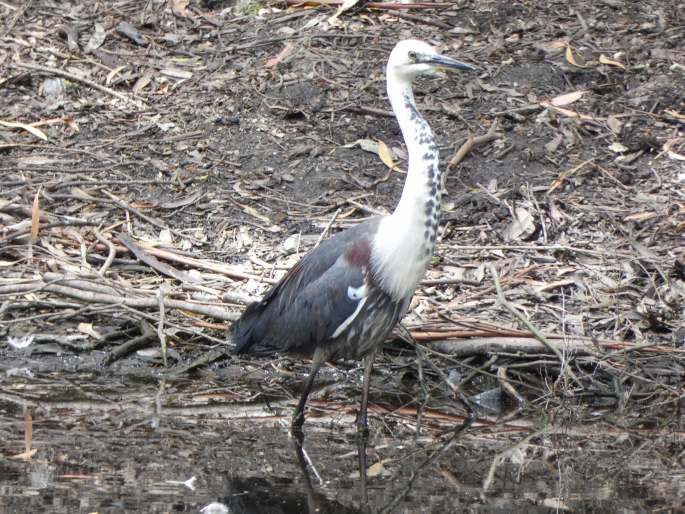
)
(311, 301)
(315, 312)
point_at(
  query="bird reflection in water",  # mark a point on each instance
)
(279, 495)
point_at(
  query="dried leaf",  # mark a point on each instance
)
(614, 124)
(28, 128)
(386, 155)
(603, 59)
(377, 469)
(566, 99)
(368, 145)
(567, 112)
(36, 160)
(558, 44)
(557, 504)
(556, 213)
(165, 236)
(564, 174)
(72, 124)
(182, 201)
(640, 216)
(126, 29)
(571, 59)
(552, 146)
(53, 88)
(72, 36)
(253, 212)
(617, 147)
(35, 216)
(521, 227)
(179, 7)
(542, 287)
(24, 455)
(81, 193)
(476, 275)
(668, 145)
(291, 244)
(114, 73)
(243, 238)
(142, 81)
(348, 4)
(273, 61)
(87, 328)
(379, 148)
(96, 39)
(345, 6)
(176, 73)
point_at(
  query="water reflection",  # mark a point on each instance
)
(106, 457)
(278, 495)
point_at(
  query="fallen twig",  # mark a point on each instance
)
(523, 319)
(130, 346)
(425, 21)
(521, 345)
(528, 345)
(77, 78)
(508, 453)
(372, 5)
(193, 262)
(154, 263)
(472, 141)
(80, 290)
(111, 252)
(505, 385)
(161, 335)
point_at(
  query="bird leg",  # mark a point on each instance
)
(361, 454)
(298, 416)
(362, 424)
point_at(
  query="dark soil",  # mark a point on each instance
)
(188, 156)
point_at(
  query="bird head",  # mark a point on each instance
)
(411, 58)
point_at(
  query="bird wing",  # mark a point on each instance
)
(314, 302)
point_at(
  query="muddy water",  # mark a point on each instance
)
(117, 445)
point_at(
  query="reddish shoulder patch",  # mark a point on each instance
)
(359, 254)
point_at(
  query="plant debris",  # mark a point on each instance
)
(164, 163)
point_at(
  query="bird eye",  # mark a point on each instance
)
(412, 56)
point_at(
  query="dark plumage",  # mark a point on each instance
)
(302, 312)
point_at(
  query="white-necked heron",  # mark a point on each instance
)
(342, 299)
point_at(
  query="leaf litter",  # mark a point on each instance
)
(193, 153)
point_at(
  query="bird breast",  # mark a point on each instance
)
(400, 255)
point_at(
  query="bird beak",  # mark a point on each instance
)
(446, 63)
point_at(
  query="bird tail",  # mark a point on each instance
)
(246, 332)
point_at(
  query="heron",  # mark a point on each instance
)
(343, 297)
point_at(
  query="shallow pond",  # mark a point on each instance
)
(106, 445)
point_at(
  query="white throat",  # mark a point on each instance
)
(404, 243)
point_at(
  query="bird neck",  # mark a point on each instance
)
(422, 185)
(406, 238)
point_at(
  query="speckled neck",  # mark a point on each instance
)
(405, 240)
(420, 199)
